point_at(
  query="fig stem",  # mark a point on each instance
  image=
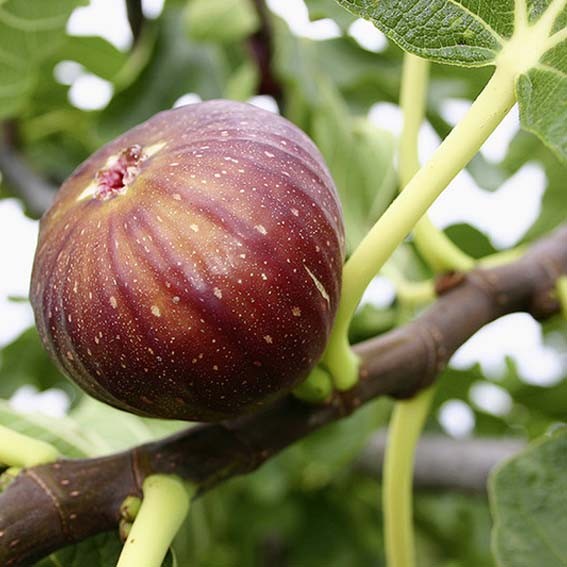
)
(440, 253)
(405, 427)
(502, 257)
(130, 508)
(561, 288)
(165, 504)
(432, 243)
(454, 153)
(411, 294)
(18, 450)
(8, 476)
(316, 388)
(409, 417)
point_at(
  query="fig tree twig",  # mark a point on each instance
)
(36, 193)
(135, 18)
(261, 49)
(51, 506)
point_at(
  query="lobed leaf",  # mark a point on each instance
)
(114, 430)
(470, 240)
(29, 33)
(528, 498)
(221, 20)
(99, 551)
(102, 550)
(25, 361)
(527, 36)
(542, 93)
(95, 54)
(462, 32)
(63, 433)
(320, 9)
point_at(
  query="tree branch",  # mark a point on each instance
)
(135, 18)
(443, 462)
(260, 45)
(36, 193)
(50, 506)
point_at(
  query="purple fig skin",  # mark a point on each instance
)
(191, 268)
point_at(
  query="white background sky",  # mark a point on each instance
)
(504, 216)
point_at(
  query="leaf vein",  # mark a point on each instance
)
(501, 40)
(31, 25)
(550, 69)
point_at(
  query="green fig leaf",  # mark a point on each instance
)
(528, 498)
(528, 37)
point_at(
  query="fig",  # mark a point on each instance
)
(191, 268)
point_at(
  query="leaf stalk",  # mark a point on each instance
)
(18, 450)
(454, 153)
(405, 428)
(164, 506)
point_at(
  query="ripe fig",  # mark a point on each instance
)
(191, 268)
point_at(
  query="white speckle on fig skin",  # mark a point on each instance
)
(225, 266)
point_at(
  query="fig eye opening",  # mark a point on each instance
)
(114, 179)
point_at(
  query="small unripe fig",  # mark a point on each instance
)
(191, 268)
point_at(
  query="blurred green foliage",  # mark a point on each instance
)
(309, 506)
(528, 496)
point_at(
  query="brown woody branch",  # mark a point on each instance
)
(260, 46)
(36, 193)
(51, 506)
(135, 15)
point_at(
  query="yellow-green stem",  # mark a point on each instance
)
(411, 294)
(316, 388)
(409, 416)
(17, 450)
(413, 97)
(460, 146)
(502, 257)
(438, 250)
(405, 427)
(561, 287)
(165, 505)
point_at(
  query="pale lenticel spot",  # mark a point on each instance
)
(320, 287)
(155, 311)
